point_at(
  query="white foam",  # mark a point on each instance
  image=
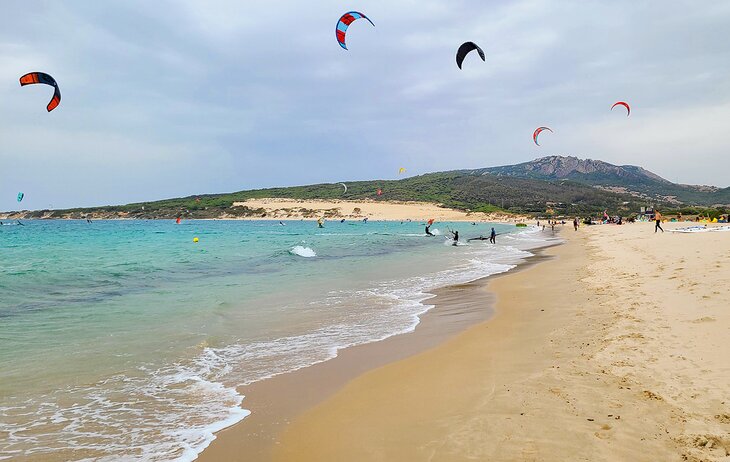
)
(302, 251)
(392, 307)
(172, 413)
(163, 414)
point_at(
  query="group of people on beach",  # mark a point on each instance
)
(652, 215)
(552, 224)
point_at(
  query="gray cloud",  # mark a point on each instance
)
(171, 98)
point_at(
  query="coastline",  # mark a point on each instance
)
(277, 401)
(382, 210)
(275, 209)
(621, 354)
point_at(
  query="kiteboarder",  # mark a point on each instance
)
(428, 230)
(493, 237)
(320, 223)
(456, 237)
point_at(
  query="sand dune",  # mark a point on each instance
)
(374, 210)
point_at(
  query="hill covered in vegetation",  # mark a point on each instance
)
(618, 178)
(551, 186)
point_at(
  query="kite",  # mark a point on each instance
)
(401, 171)
(626, 105)
(344, 186)
(537, 133)
(344, 23)
(40, 77)
(467, 48)
(20, 196)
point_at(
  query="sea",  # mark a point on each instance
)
(126, 340)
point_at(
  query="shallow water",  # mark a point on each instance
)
(126, 340)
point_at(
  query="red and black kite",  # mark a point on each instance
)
(39, 77)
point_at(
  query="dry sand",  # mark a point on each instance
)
(281, 209)
(618, 350)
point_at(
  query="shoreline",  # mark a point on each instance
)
(276, 401)
(275, 209)
(614, 350)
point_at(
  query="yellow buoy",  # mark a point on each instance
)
(195, 239)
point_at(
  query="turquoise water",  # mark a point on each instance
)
(127, 339)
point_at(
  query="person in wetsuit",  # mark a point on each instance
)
(658, 218)
(428, 230)
(456, 237)
(493, 237)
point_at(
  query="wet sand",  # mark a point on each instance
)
(617, 350)
(614, 350)
(276, 401)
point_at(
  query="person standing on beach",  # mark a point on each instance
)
(575, 223)
(493, 237)
(658, 218)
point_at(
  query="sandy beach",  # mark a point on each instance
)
(292, 209)
(616, 349)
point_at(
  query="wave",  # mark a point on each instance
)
(171, 412)
(302, 251)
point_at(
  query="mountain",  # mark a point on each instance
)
(628, 179)
(552, 185)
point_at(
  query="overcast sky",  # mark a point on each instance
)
(170, 98)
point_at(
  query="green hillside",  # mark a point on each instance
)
(461, 190)
(632, 179)
(548, 186)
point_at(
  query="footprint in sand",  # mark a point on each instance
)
(603, 433)
(715, 445)
(651, 395)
